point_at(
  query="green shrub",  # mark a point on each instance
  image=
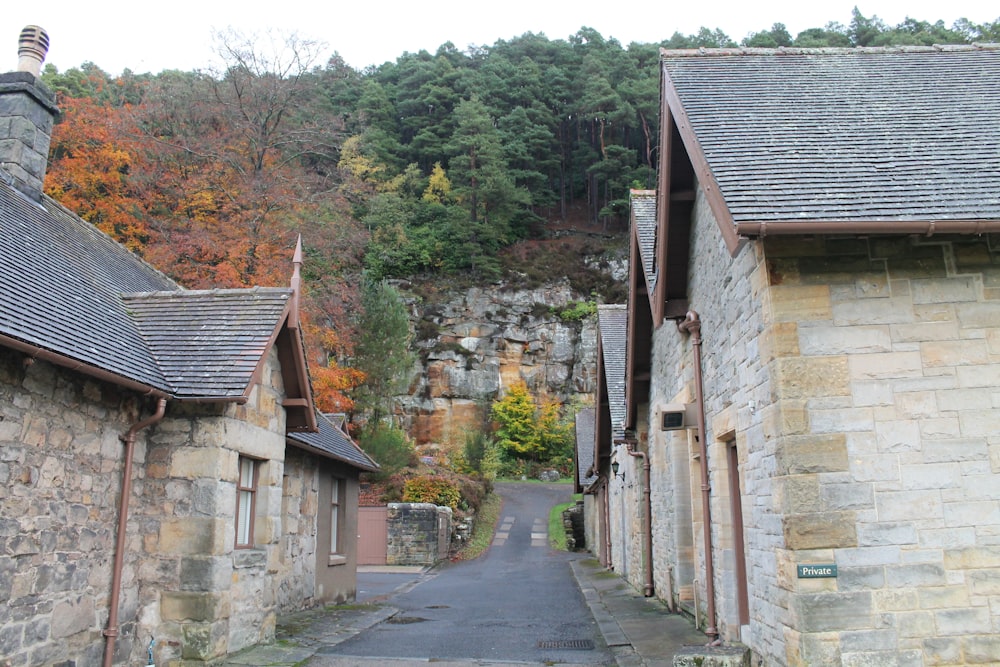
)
(390, 448)
(474, 450)
(577, 311)
(436, 490)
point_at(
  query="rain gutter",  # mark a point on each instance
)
(35, 352)
(821, 227)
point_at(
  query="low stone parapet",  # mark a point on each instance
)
(417, 533)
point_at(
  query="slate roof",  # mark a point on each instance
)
(585, 446)
(68, 290)
(908, 133)
(209, 343)
(60, 286)
(612, 321)
(333, 443)
(643, 204)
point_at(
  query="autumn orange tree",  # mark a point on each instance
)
(212, 176)
(93, 155)
(245, 161)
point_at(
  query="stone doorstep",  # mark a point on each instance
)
(731, 655)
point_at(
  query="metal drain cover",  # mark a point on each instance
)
(568, 644)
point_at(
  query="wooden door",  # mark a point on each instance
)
(372, 535)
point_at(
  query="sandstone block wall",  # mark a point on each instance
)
(201, 597)
(886, 421)
(727, 294)
(859, 380)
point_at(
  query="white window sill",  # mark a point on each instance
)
(337, 559)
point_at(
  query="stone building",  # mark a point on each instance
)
(164, 475)
(609, 427)
(813, 356)
(583, 453)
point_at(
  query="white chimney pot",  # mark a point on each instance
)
(31, 50)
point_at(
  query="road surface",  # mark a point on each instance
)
(517, 603)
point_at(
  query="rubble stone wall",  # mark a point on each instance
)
(60, 476)
(415, 533)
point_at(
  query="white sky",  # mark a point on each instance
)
(178, 34)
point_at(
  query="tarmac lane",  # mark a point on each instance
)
(517, 604)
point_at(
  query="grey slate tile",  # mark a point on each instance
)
(60, 281)
(333, 442)
(585, 445)
(612, 321)
(847, 134)
(643, 206)
(208, 343)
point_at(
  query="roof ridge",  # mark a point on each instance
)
(809, 51)
(222, 291)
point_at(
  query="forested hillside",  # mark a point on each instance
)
(447, 166)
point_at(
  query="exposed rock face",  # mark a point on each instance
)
(475, 344)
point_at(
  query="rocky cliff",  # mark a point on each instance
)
(474, 344)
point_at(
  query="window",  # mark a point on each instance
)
(246, 499)
(335, 516)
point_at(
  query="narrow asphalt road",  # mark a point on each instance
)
(517, 603)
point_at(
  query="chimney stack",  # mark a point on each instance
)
(27, 113)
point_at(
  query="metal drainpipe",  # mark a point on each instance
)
(692, 325)
(607, 523)
(647, 520)
(111, 632)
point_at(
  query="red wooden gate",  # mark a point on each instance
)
(372, 535)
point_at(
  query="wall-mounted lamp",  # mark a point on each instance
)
(614, 469)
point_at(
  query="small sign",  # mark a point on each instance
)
(817, 571)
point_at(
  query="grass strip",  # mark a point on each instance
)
(557, 533)
(482, 529)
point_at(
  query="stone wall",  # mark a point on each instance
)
(183, 581)
(60, 475)
(725, 292)
(200, 596)
(418, 533)
(858, 381)
(575, 528)
(300, 506)
(887, 435)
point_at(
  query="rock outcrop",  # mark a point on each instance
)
(476, 343)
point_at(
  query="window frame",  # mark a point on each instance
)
(336, 505)
(251, 493)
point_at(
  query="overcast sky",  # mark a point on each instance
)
(178, 34)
